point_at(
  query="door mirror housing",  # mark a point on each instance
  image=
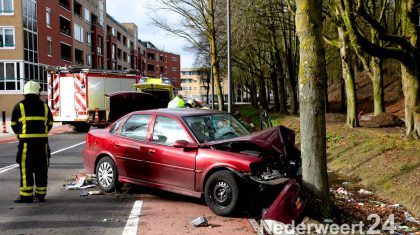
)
(185, 144)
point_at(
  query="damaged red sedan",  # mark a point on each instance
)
(196, 153)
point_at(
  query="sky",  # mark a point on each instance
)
(137, 11)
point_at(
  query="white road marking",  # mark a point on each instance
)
(13, 142)
(7, 168)
(11, 167)
(133, 219)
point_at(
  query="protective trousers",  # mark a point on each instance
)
(33, 158)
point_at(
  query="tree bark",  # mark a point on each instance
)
(312, 75)
(378, 86)
(348, 76)
(411, 102)
(262, 92)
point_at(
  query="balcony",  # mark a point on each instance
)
(66, 52)
(65, 26)
(77, 9)
(78, 57)
(65, 4)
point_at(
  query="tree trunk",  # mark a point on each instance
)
(312, 75)
(275, 86)
(410, 82)
(214, 58)
(262, 92)
(348, 76)
(378, 86)
(343, 96)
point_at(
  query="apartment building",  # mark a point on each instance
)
(38, 34)
(156, 63)
(193, 85)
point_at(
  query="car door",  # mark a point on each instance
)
(171, 166)
(129, 147)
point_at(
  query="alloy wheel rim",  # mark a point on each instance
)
(105, 174)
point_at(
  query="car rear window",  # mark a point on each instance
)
(136, 126)
(167, 130)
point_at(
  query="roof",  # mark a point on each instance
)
(182, 112)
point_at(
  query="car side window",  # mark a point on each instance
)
(115, 127)
(136, 126)
(166, 131)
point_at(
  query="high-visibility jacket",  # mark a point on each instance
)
(176, 103)
(31, 119)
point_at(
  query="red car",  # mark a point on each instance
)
(195, 153)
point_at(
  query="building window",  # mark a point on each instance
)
(173, 69)
(78, 33)
(48, 17)
(87, 15)
(88, 38)
(49, 44)
(6, 7)
(88, 59)
(7, 38)
(174, 59)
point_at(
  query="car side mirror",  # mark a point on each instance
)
(185, 144)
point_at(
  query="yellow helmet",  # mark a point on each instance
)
(31, 87)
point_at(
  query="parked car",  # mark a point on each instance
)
(195, 153)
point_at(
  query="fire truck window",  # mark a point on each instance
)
(136, 127)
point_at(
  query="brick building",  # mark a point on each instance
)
(37, 34)
(156, 63)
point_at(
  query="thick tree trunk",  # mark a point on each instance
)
(348, 76)
(410, 82)
(312, 75)
(275, 86)
(378, 86)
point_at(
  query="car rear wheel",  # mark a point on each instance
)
(107, 174)
(222, 193)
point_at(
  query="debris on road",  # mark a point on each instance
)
(410, 218)
(82, 181)
(200, 222)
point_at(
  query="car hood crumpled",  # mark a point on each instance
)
(279, 139)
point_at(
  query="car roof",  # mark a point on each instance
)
(179, 112)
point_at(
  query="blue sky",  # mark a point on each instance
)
(137, 11)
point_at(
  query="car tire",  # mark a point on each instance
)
(107, 174)
(221, 193)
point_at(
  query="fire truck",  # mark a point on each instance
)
(85, 97)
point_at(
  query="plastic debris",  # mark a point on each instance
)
(360, 204)
(200, 222)
(95, 192)
(83, 181)
(84, 193)
(394, 206)
(405, 228)
(365, 192)
(342, 191)
(345, 183)
(410, 218)
(328, 221)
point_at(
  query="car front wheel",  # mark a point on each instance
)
(107, 174)
(222, 193)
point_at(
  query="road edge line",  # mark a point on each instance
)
(134, 219)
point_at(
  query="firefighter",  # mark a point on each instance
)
(31, 121)
(177, 102)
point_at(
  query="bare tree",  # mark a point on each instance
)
(199, 18)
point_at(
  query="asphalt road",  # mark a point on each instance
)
(66, 212)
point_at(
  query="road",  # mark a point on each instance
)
(66, 212)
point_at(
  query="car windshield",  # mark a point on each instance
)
(214, 127)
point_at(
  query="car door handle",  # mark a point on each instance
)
(151, 151)
(117, 145)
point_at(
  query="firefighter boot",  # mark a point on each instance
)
(24, 199)
(39, 197)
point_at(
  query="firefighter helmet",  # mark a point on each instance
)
(31, 87)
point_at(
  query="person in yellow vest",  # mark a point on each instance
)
(177, 102)
(31, 121)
